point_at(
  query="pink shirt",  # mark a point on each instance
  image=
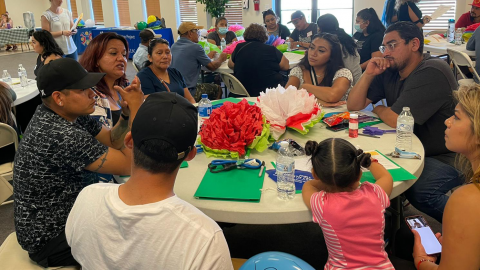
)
(353, 225)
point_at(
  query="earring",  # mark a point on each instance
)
(61, 103)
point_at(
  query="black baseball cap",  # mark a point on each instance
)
(296, 15)
(65, 73)
(168, 117)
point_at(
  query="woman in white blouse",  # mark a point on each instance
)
(58, 21)
(321, 72)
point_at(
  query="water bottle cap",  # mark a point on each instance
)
(204, 95)
(284, 144)
(406, 108)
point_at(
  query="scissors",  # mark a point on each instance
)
(376, 131)
(222, 165)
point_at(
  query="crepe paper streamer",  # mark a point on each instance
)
(184, 165)
(232, 128)
(467, 36)
(301, 177)
(213, 47)
(292, 108)
(472, 27)
(212, 29)
(237, 29)
(230, 48)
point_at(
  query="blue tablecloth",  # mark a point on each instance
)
(83, 38)
(133, 38)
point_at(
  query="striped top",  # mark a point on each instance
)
(353, 225)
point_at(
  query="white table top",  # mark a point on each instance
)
(293, 58)
(441, 48)
(24, 94)
(271, 210)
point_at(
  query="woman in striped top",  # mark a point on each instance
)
(350, 214)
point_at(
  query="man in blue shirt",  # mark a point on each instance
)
(141, 55)
(188, 56)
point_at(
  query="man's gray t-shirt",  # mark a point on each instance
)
(188, 58)
(428, 91)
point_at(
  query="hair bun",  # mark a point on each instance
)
(364, 159)
(311, 147)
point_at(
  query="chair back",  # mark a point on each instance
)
(6, 189)
(233, 84)
(462, 59)
(8, 135)
(135, 67)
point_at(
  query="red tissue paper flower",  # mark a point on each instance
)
(232, 127)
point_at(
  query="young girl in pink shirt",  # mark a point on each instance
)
(350, 214)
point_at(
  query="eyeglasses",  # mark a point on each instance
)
(389, 46)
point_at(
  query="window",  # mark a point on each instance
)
(429, 6)
(233, 12)
(153, 7)
(123, 12)
(188, 11)
(342, 9)
(97, 11)
(73, 8)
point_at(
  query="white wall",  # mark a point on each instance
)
(16, 9)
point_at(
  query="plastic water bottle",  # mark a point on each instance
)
(6, 77)
(289, 44)
(458, 36)
(451, 30)
(223, 44)
(285, 168)
(207, 49)
(22, 75)
(204, 106)
(404, 130)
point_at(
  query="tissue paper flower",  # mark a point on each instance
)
(213, 47)
(237, 29)
(212, 29)
(233, 128)
(292, 108)
(230, 48)
(274, 40)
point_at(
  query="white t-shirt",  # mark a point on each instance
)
(105, 233)
(61, 22)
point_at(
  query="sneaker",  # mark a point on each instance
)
(15, 47)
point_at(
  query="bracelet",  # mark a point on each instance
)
(421, 261)
(125, 117)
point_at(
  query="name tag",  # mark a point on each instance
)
(55, 19)
(309, 34)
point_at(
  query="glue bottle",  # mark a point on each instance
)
(353, 126)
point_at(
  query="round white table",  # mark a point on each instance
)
(293, 58)
(24, 94)
(441, 48)
(270, 209)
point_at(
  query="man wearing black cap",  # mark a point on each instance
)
(141, 54)
(154, 228)
(60, 153)
(303, 33)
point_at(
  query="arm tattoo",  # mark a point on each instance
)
(119, 130)
(103, 161)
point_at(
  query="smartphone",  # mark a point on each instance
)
(429, 240)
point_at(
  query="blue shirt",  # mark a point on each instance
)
(188, 58)
(151, 83)
(140, 56)
(473, 44)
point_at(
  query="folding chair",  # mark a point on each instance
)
(462, 59)
(233, 84)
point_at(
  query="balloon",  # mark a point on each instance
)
(141, 25)
(89, 23)
(151, 19)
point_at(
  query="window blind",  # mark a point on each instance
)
(233, 12)
(153, 7)
(429, 6)
(97, 11)
(73, 5)
(123, 12)
(188, 11)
